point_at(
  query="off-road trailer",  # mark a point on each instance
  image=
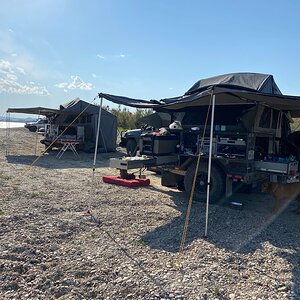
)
(252, 139)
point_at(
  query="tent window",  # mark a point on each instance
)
(70, 119)
(224, 115)
(88, 119)
(275, 119)
(265, 120)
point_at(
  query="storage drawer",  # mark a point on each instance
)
(277, 167)
(158, 144)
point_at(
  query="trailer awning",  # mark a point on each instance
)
(224, 96)
(35, 111)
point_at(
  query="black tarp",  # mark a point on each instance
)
(230, 89)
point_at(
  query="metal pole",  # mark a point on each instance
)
(209, 161)
(7, 119)
(97, 135)
(36, 136)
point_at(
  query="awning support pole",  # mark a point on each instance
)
(209, 160)
(97, 135)
(36, 136)
(7, 131)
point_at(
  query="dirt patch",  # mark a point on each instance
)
(52, 247)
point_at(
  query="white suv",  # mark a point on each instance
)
(38, 125)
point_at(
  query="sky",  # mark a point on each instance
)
(53, 51)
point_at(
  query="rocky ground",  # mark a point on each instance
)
(66, 234)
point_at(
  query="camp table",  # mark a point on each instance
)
(68, 144)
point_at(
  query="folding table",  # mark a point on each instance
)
(68, 144)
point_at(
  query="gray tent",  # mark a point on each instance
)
(247, 81)
(87, 118)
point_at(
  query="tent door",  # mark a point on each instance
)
(80, 133)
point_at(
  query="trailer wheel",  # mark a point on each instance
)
(217, 183)
(33, 129)
(131, 147)
(180, 184)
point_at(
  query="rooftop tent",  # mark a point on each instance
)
(157, 120)
(246, 81)
(230, 89)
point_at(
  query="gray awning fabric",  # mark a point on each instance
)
(138, 103)
(34, 111)
(224, 96)
(238, 97)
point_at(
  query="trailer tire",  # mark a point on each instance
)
(131, 147)
(33, 129)
(217, 183)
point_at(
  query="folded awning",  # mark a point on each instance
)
(35, 111)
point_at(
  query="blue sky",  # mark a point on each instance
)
(52, 51)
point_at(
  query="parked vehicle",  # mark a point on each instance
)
(130, 140)
(38, 125)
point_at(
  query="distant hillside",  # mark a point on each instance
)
(18, 119)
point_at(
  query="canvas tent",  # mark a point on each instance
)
(88, 119)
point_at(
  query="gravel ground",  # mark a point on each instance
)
(65, 234)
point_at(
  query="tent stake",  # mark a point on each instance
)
(209, 161)
(97, 136)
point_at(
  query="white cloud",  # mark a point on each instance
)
(94, 75)
(75, 83)
(11, 76)
(11, 84)
(61, 85)
(14, 54)
(21, 70)
(111, 56)
(5, 67)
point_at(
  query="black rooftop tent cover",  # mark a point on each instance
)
(230, 89)
(157, 120)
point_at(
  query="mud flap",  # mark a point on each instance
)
(228, 191)
(168, 179)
